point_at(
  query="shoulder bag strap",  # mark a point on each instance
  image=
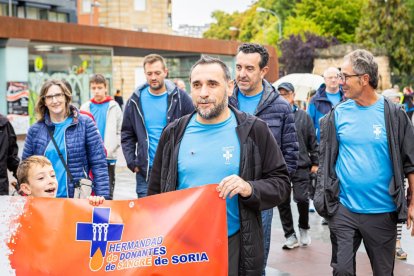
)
(60, 154)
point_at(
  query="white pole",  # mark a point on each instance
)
(10, 8)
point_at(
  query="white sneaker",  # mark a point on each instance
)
(291, 242)
(305, 238)
(311, 206)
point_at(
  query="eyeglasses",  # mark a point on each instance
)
(332, 77)
(58, 97)
(344, 77)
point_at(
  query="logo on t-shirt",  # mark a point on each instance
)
(228, 154)
(377, 131)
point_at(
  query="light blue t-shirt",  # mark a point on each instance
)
(52, 154)
(209, 153)
(249, 104)
(99, 112)
(334, 98)
(364, 165)
(155, 117)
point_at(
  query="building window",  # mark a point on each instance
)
(4, 9)
(86, 6)
(32, 13)
(140, 5)
(62, 17)
(20, 12)
(53, 16)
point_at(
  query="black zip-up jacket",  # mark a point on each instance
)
(400, 136)
(8, 154)
(134, 136)
(261, 164)
(308, 146)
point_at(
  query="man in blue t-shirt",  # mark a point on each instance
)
(366, 150)
(327, 96)
(108, 117)
(151, 107)
(255, 95)
(219, 144)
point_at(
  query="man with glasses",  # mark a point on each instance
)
(366, 150)
(328, 95)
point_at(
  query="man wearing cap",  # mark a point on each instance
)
(254, 95)
(308, 163)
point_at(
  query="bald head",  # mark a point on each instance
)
(331, 79)
(330, 71)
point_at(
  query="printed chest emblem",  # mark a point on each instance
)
(228, 154)
(377, 131)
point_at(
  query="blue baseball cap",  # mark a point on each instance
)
(287, 86)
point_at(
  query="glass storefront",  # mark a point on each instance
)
(73, 63)
(179, 67)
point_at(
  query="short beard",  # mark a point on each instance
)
(215, 111)
(158, 87)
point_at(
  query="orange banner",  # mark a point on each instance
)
(177, 233)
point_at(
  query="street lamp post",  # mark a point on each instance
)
(233, 31)
(261, 9)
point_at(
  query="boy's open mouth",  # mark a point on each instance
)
(50, 190)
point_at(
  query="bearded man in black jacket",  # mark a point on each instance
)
(218, 144)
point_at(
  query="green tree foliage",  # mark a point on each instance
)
(221, 29)
(387, 24)
(249, 26)
(336, 18)
(329, 18)
(300, 25)
(283, 8)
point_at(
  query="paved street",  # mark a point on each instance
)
(313, 260)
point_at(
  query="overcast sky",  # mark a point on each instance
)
(198, 12)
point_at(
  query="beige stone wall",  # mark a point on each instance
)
(124, 74)
(122, 15)
(333, 56)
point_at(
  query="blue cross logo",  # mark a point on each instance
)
(100, 231)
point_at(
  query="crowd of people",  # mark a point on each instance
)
(247, 136)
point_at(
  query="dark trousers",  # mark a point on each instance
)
(111, 173)
(142, 184)
(300, 181)
(4, 187)
(378, 231)
(234, 254)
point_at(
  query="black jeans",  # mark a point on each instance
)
(111, 173)
(301, 182)
(234, 254)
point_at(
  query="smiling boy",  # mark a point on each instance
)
(37, 178)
